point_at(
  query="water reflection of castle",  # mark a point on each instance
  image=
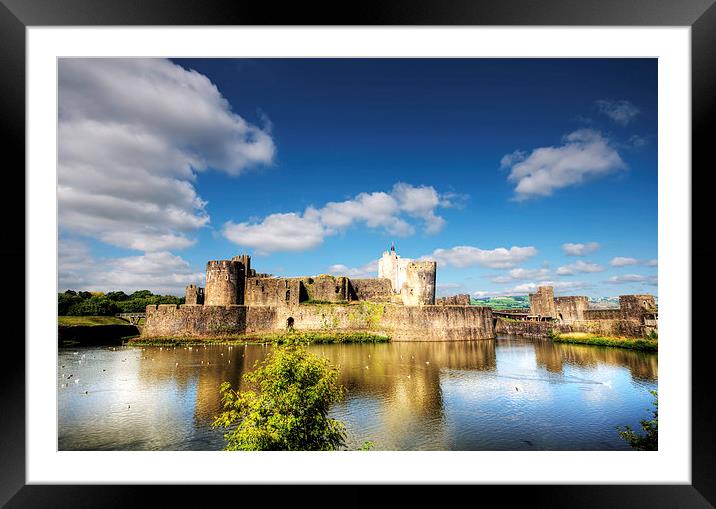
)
(404, 379)
(553, 357)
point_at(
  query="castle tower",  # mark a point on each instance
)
(542, 302)
(391, 266)
(223, 280)
(194, 295)
(244, 271)
(418, 289)
(637, 305)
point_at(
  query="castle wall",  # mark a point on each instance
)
(438, 323)
(419, 286)
(532, 329)
(603, 314)
(194, 295)
(400, 323)
(325, 288)
(373, 290)
(542, 302)
(272, 292)
(606, 327)
(637, 305)
(453, 300)
(570, 309)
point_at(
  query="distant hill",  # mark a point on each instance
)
(507, 302)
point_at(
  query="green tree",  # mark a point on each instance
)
(290, 410)
(117, 296)
(650, 440)
(93, 306)
(141, 293)
(65, 301)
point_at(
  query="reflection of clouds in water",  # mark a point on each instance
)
(123, 409)
(504, 394)
(509, 388)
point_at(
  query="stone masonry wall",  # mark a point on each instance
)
(419, 286)
(400, 323)
(637, 305)
(453, 300)
(542, 302)
(603, 314)
(194, 295)
(373, 290)
(610, 327)
(223, 282)
(570, 309)
(325, 288)
(272, 292)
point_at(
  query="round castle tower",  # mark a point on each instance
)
(223, 280)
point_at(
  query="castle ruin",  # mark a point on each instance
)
(400, 303)
(233, 282)
(637, 316)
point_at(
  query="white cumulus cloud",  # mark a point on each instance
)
(585, 154)
(579, 249)
(634, 278)
(389, 211)
(467, 256)
(158, 271)
(560, 288)
(368, 270)
(624, 261)
(579, 266)
(133, 134)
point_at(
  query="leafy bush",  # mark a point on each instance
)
(290, 410)
(648, 441)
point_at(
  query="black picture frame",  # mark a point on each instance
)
(17, 15)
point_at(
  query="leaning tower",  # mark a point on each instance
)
(222, 283)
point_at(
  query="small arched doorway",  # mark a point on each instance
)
(289, 322)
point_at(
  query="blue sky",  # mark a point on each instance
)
(509, 172)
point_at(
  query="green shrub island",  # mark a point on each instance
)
(288, 410)
(72, 303)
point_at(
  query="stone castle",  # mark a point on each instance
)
(233, 282)
(399, 303)
(637, 316)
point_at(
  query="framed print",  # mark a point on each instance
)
(421, 246)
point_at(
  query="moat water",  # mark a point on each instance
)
(504, 394)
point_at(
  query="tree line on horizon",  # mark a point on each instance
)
(81, 303)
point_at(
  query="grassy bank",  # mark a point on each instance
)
(90, 320)
(583, 338)
(277, 337)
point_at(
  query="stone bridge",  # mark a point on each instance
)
(132, 318)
